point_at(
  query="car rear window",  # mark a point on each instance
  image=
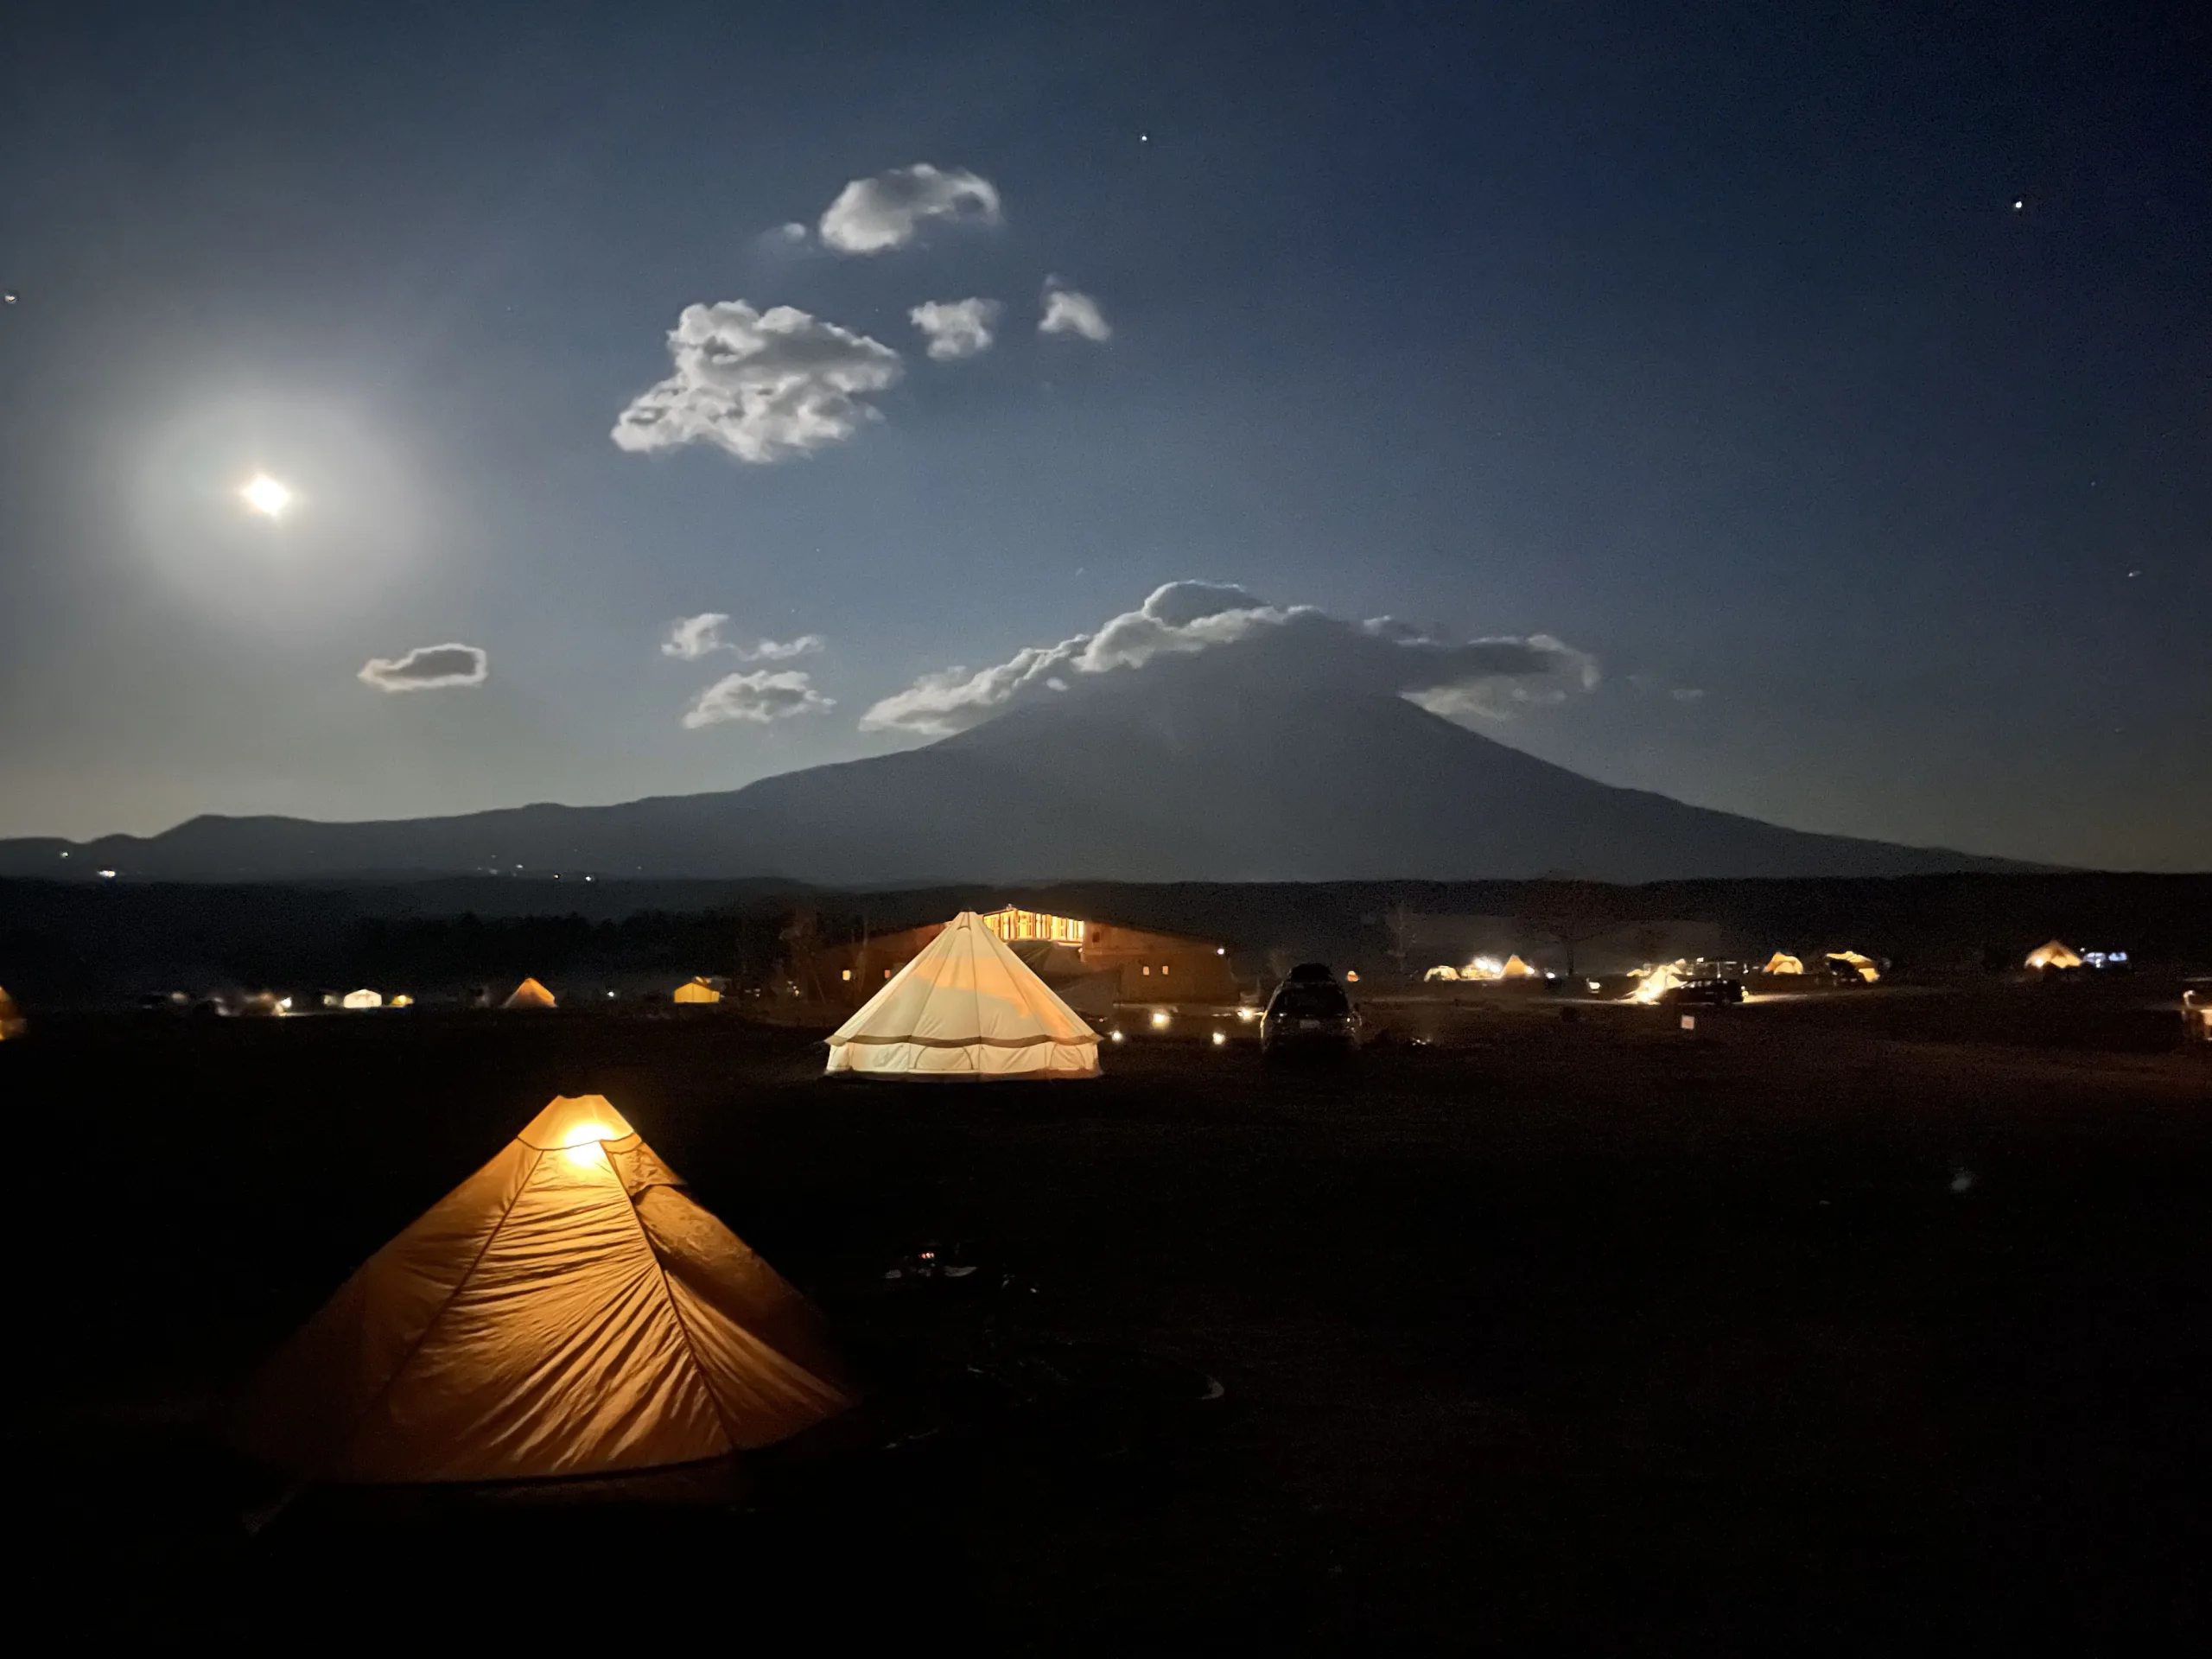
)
(1310, 1001)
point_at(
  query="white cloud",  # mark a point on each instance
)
(427, 667)
(693, 636)
(957, 328)
(877, 215)
(760, 696)
(1070, 311)
(1246, 638)
(781, 650)
(764, 386)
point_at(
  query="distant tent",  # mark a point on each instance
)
(529, 995)
(697, 991)
(1782, 963)
(11, 1017)
(1863, 966)
(262, 1005)
(403, 1001)
(1442, 970)
(1517, 969)
(2056, 954)
(967, 1006)
(363, 1000)
(568, 1309)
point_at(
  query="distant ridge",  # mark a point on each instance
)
(1171, 776)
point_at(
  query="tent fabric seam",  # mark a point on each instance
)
(506, 1213)
(961, 1042)
(676, 1309)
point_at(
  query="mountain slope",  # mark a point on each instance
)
(1162, 776)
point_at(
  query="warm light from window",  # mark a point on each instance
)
(846, 973)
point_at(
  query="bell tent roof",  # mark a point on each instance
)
(529, 995)
(967, 1006)
(1517, 969)
(568, 1309)
(2056, 954)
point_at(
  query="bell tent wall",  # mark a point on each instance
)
(567, 1310)
(698, 991)
(967, 1006)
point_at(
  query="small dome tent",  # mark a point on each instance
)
(967, 1006)
(1783, 962)
(1865, 967)
(529, 995)
(364, 999)
(697, 991)
(2056, 954)
(568, 1309)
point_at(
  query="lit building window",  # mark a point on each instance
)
(887, 973)
(1163, 967)
(1147, 967)
(1015, 925)
(846, 973)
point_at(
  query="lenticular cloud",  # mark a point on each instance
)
(427, 668)
(1458, 678)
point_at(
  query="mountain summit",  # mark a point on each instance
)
(1163, 777)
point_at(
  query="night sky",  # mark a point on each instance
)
(1835, 382)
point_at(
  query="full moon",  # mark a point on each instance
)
(266, 496)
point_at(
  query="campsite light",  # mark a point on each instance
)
(110, 874)
(1219, 949)
(1220, 1038)
(1593, 984)
(1351, 976)
(1116, 1035)
(1159, 1018)
(1248, 1013)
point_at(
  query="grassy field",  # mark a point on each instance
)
(1847, 1327)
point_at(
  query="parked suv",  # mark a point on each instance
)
(1309, 1011)
(1713, 991)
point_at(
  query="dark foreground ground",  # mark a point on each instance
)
(1796, 1334)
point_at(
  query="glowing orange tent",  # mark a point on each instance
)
(530, 994)
(697, 991)
(1783, 962)
(1517, 969)
(567, 1310)
(2056, 954)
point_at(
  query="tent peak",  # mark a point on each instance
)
(573, 1120)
